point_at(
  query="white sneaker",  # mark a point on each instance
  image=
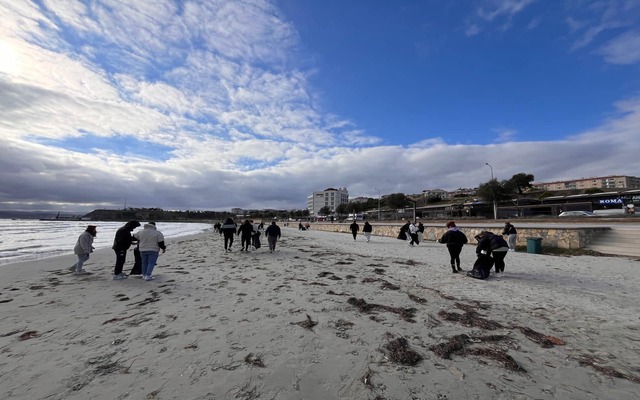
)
(148, 278)
(82, 272)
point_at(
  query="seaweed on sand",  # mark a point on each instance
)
(593, 362)
(406, 314)
(307, 324)
(543, 340)
(470, 319)
(256, 361)
(417, 299)
(399, 352)
(459, 345)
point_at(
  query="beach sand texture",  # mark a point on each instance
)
(324, 317)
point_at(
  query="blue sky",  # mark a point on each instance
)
(256, 104)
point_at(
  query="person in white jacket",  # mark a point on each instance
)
(83, 247)
(150, 242)
(413, 234)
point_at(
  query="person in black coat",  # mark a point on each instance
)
(245, 231)
(494, 246)
(355, 228)
(228, 229)
(273, 234)
(454, 239)
(367, 229)
(511, 232)
(121, 244)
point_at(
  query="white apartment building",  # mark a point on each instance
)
(330, 197)
(602, 182)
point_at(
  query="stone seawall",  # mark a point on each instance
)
(560, 237)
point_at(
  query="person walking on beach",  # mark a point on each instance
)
(150, 241)
(493, 245)
(355, 228)
(82, 249)
(273, 234)
(366, 230)
(413, 234)
(512, 235)
(228, 229)
(454, 239)
(121, 244)
(420, 232)
(245, 231)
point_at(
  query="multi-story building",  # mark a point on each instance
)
(330, 197)
(443, 194)
(604, 183)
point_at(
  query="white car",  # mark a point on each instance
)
(577, 214)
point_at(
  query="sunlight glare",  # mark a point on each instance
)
(9, 62)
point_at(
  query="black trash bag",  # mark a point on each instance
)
(137, 265)
(482, 267)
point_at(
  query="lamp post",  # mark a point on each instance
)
(378, 203)
(495, 204)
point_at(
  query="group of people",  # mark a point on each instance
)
(149, 241)
(249, 234)
(491, 249)
(366, 230)
(412, 233)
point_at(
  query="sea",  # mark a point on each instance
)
(32, 239)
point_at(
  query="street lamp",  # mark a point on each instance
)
(378, 203)
(495, 204)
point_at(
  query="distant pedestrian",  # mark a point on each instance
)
(245, 231)
(413, 234)
(455, 240)
(150, 242)
(228, 229)
(82, 249)
(420, 232)
(121, 244)
(273, 234)
(512, 235)
(367, 229)
(355, 228)
(494, 246)
(216, 227)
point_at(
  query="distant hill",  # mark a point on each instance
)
(8, 214)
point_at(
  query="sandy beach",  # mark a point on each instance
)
(323, 317)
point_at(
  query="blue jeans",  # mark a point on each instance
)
(81, 260)
(149, 260)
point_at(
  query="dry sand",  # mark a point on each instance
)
(324, 317)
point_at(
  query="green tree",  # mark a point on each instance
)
(342, 209)
(519, 182)
(397, 201)
(494, 191)
(324, 210)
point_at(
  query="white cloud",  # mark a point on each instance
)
(624, 49)
(493, 9)
(211, 80)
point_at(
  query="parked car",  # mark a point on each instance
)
(577, 214)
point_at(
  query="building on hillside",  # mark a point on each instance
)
(360, 199)
(603, 182)
(329, 197)
(443, 194)
(463, 192)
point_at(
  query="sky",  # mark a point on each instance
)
(256, 104)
